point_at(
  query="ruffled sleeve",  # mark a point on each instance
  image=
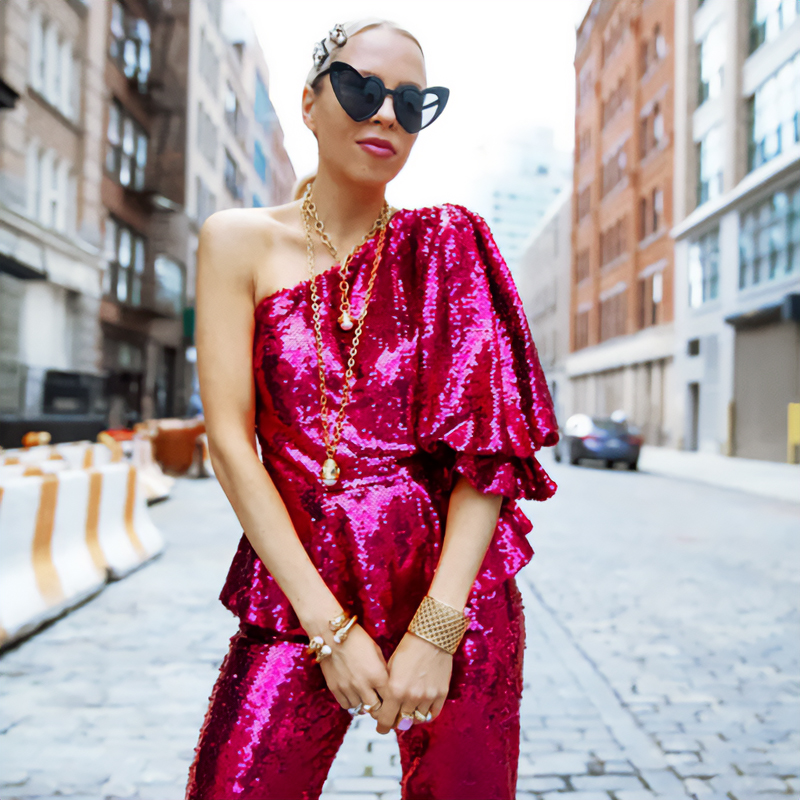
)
(483, 406)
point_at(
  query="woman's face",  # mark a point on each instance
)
(344, 144)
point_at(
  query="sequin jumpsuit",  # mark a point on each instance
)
(447, 382)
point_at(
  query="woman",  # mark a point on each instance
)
(398, 399)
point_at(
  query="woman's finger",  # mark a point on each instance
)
(369, 697)
(387, 714)
(437, 706)
(403, 722)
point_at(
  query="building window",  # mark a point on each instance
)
(651, 294)
(651, 130)
(584, 85)
(614, 169)
(206, 135)
(208, 63)
(234, 115)
(260, 161)
(768, 18)
(264, 111)
(125, 251)
(582, 266)
(612, 242)
(651, 213)
(215, 11)
(615, 100)
(126, 148)
(653, 50)
(584, 144)
(769, 239)
(53, 69)
(704, 269)
(584, 205)
(613, 311)
(614, 35)
(709, 156)
(711, 57)
(233, 177)
(775, 114)
(581, 329)
(129, 47)
(206, 201)
(169, 284)
(51, 189)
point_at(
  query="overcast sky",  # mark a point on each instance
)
(507, 63)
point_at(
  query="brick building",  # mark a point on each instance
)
(621, 333)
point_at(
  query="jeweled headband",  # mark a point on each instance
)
(338, 36)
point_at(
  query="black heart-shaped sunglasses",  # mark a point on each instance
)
(362, 95)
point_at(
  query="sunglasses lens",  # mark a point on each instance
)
(360, 97)
(415, 110)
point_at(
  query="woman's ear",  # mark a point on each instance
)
(309, 96)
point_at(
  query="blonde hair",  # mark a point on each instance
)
(299, 188)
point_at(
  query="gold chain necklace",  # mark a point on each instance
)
(330, 472)
(346, 320)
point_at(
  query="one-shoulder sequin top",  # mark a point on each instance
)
(447, 382)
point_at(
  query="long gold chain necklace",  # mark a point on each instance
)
(330, 472)
(346, 320)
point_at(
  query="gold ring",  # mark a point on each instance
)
(420, 716)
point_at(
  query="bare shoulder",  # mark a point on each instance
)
(237, 242)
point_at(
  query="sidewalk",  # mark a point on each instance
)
(766, 478)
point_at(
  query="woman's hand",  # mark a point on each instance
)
(419, 678)
(355, 669)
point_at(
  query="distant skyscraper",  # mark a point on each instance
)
(523, 189)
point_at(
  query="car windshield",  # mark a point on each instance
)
(609, 425)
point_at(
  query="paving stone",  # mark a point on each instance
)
(542, 784)
(607, 783)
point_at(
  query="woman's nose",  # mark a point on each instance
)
(386, 112)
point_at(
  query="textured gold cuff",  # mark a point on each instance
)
(439, 623)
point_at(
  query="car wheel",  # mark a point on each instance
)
(633, 464)
(557, 454)
(610, 463)
(573, 459)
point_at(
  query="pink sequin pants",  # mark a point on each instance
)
(273, 728)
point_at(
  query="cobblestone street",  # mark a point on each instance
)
(662, 658)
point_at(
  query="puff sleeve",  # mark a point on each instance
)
(483, 406)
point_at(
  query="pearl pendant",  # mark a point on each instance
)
(330, 472)
(345, 321)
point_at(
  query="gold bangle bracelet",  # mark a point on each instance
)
(439, 624)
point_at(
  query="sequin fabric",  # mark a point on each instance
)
(447, 382)
(273, 728)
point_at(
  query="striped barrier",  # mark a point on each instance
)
(78, 455)
(63, 535)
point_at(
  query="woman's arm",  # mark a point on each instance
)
(229, 254)
(420, 671)
(227, 259)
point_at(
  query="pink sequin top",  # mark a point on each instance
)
(447, 381)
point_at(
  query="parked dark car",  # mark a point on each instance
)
(609, 439)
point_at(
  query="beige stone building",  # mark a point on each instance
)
(50, 218)
(737, 232)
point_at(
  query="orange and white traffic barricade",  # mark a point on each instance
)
(63, 534)
(46, 565)
(124, 530)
